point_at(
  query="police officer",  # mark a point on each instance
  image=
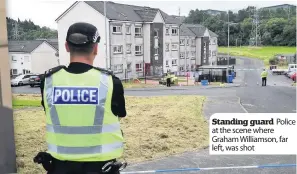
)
(82, 105)
(168, 79)
(264, 75)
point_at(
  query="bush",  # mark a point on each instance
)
(273, 61)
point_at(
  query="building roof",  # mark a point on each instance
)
(212, 34)
(185, 31)
(124, 12)
(211, 10)
(281, 5)
(196, 30)
(29, 46)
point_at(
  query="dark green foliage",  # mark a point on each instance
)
(27, 30)
(277, 28)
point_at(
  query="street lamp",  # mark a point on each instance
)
(229, 23)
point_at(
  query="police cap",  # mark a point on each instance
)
(82, 33)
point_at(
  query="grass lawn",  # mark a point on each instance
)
(137, 85)
(263, 53)
(155, 127)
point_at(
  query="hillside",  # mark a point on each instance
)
(27, 30)
(276, 28)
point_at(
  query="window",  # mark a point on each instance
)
(138, 50)
(214, 53)
(156, 33)
(156, 51)
(138, 67)
(14, 71)
(117, 29)
(187, 41)
(174, 47)
(174, 31)
(26, 59)
(214, 41)
(128, 31)
(118, 49)
(138, 31)
(174, 62)
(13, 58)
(167, 47)
(181, 68)
(167, 63)
(167, 31)
(204, 44)
(118, 68)
(182, 42)
(182, 55)
(128, 48)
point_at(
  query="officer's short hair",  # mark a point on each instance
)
(81, 38)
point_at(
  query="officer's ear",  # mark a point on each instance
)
(95, 49)
(67, 47)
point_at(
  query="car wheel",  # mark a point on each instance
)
(20, 84)
(32, 86)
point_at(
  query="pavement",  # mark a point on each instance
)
(277, 97)
(244, 96)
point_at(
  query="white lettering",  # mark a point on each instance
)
(84, 96)
(66, 95)
(93, 96)
(78, 95)
(72, 94)
(58, 94)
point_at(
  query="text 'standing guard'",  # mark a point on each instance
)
(253, 134)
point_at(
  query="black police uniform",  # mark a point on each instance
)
(81, 34)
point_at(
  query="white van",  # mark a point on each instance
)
(292, 67)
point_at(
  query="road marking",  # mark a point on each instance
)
(239, 101)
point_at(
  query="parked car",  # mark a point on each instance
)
(21, 80)
(35, 80)
(293, 77)
(289, 74)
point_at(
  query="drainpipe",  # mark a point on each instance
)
(178, 67)
(144, 68)
(109, 44)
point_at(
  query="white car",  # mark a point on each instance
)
(21, 80)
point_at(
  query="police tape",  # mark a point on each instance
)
(213, 168)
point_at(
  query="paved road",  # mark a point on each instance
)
(277, 97)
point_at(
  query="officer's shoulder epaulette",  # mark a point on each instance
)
(104, 71)
(53, 70)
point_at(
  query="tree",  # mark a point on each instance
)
(276, 27)
(27, 30)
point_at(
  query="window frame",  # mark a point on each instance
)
(138, 53)
(117, 32)
(118, 46)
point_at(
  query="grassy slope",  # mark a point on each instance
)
(263, 53)
(155, 127)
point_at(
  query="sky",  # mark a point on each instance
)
(44, 12)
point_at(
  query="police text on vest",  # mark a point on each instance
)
(75, 95)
